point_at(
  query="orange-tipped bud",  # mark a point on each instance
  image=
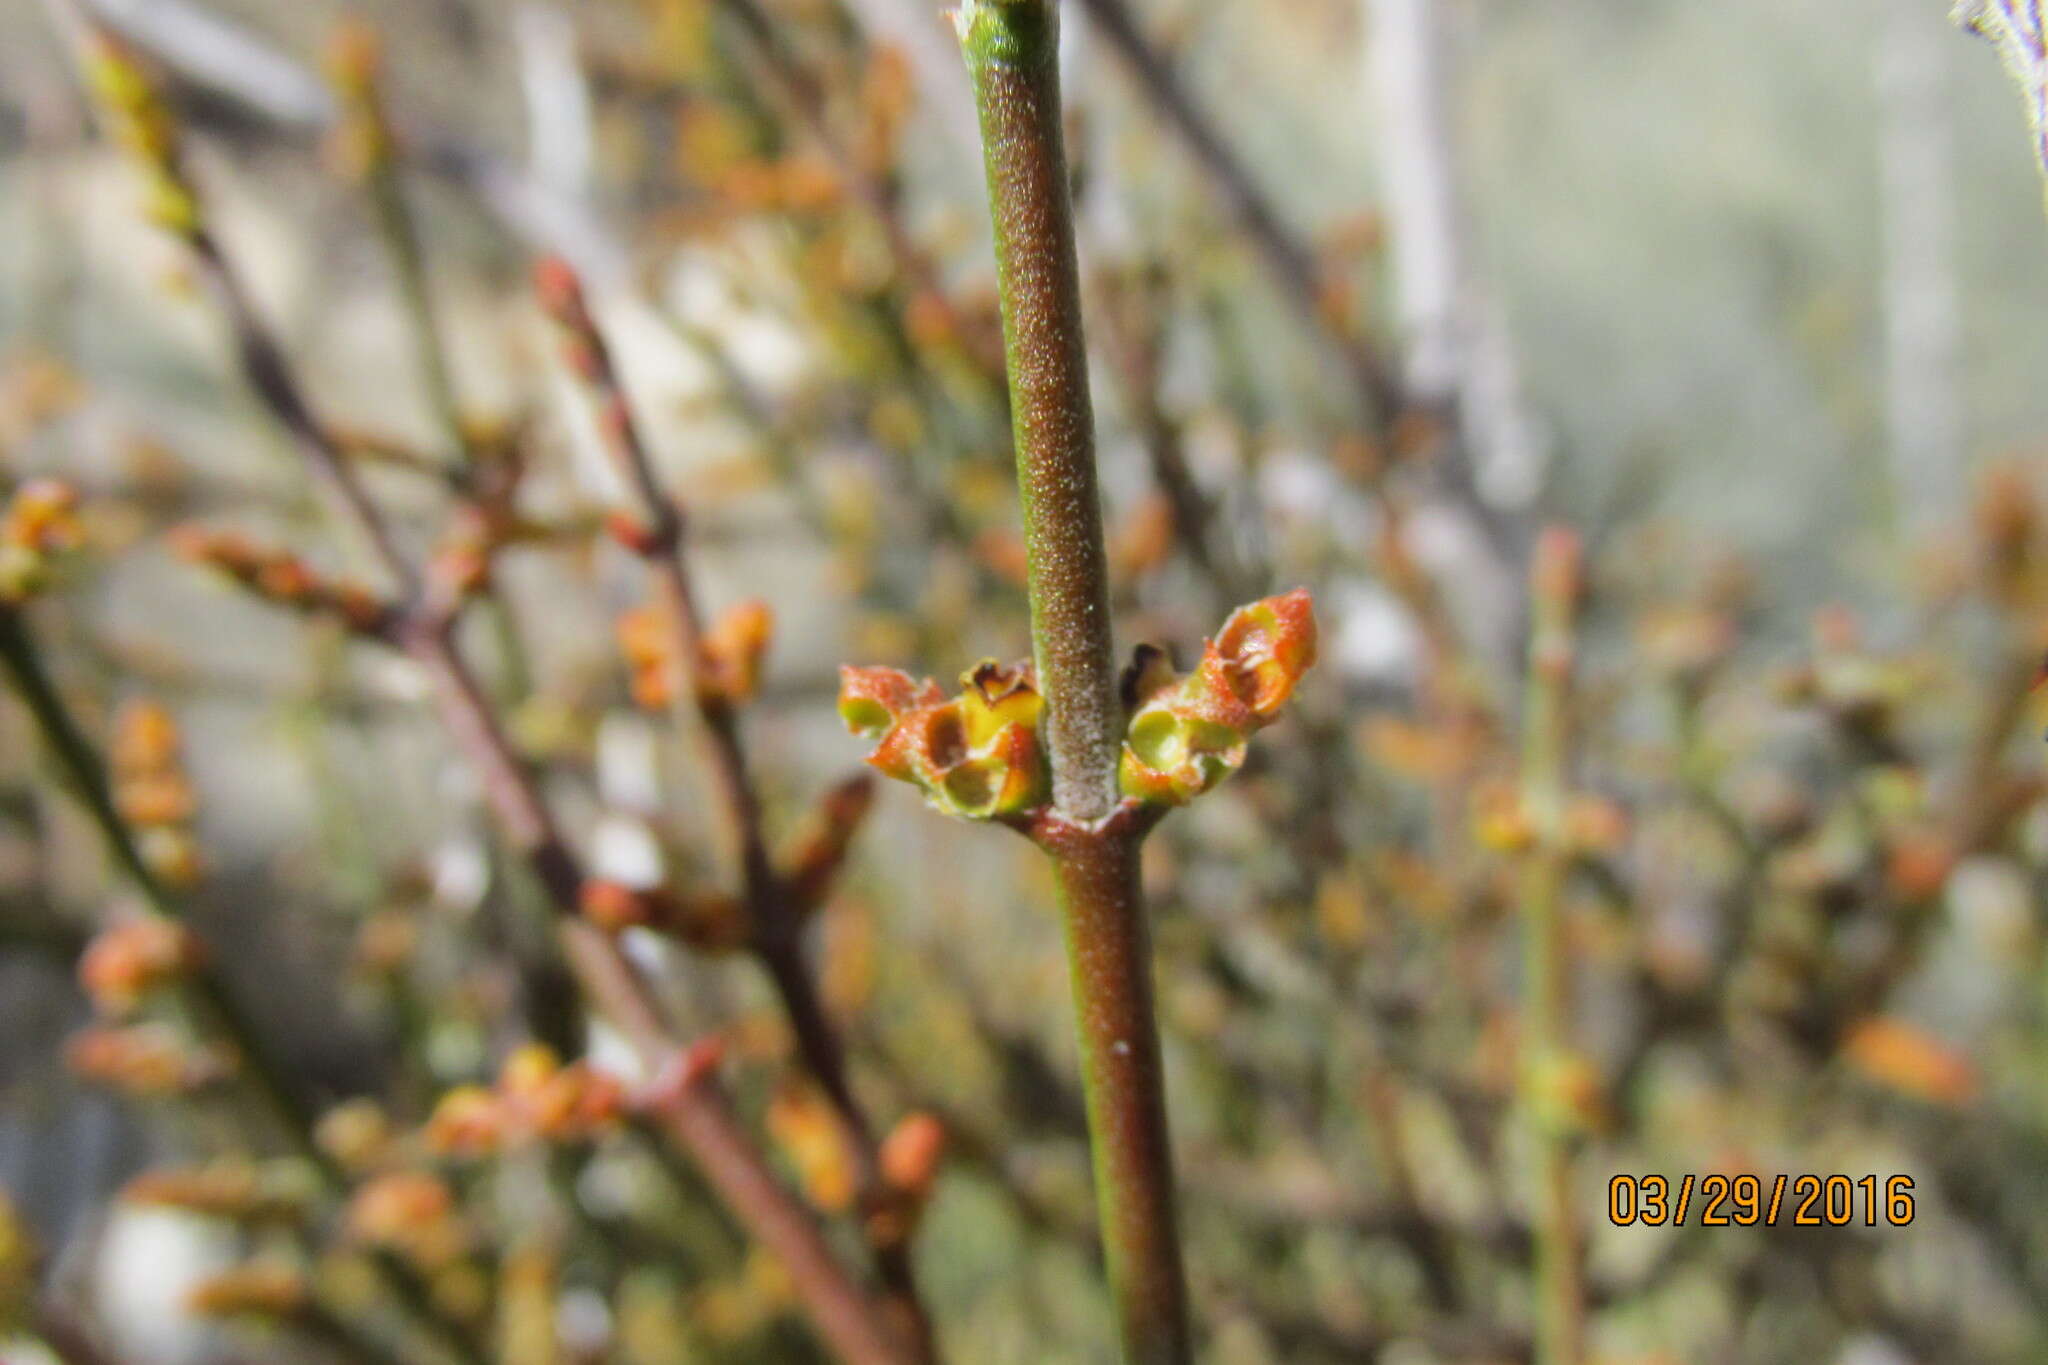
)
(808, 1131)
(145, 1060)
(467, 1121)
(614, 906)
(236, 1190)
(280, 577)
(39, 526)
(146, 738)
(1185, 736)
(730, 667)
(126, 963)
(979, 755)
(267, 1293)
(1902, 1057)
(411, 1212)
(910, 1156)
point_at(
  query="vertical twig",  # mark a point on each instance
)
(775, 921)
(1012, 53)
(1560, 1309)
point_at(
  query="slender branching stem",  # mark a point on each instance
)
(1560, 1307)
(776, 922)
(79, 760)
(849, 1320)
(1012, 52)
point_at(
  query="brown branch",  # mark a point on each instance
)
(775, 918)
(846, 1317)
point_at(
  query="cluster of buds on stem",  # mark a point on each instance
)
(536, 1099)
(727, 669)
(135, 115)
(982, 754)
(154, 795)
(153, 1060)
(38, 528)
(908, 1162)
(413, 1213)
(270, 1293)
(811, 1136)
(282, 577)
(1187, 734)
(233, 1190)
(129, 962)
(362, 142)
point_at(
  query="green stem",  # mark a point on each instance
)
(1560, 1308)
(1012, 51)
(1109, 959)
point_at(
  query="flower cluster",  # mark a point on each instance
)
(536, 1097)
(155, 796)
(1187, 734)
(138, 119)
(148, 1059)
(979, 755)
(413, 1213)
(982, 754)
(267, 1292)
(728, 664)
(234, 1189)
(37, 528)
(362, 141)
(130, 961)
(282, 577)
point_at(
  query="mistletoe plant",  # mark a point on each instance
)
(1056, 748)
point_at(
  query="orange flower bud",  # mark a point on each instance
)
(467, 1121)
(979, 756)
(145, 1059)
(1902, 1057)
(408, 1211)
(127, 962)
(232, 1189)
(357, 1134)
(146, 738)
(1191, 734)
(909, 1157)
(1918, 866)
(730, 667)
(1499, 821)
(164, 798)
(43, 516)
(804, 1126)
(613, 906)
(275, 1293)
(38, 526)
